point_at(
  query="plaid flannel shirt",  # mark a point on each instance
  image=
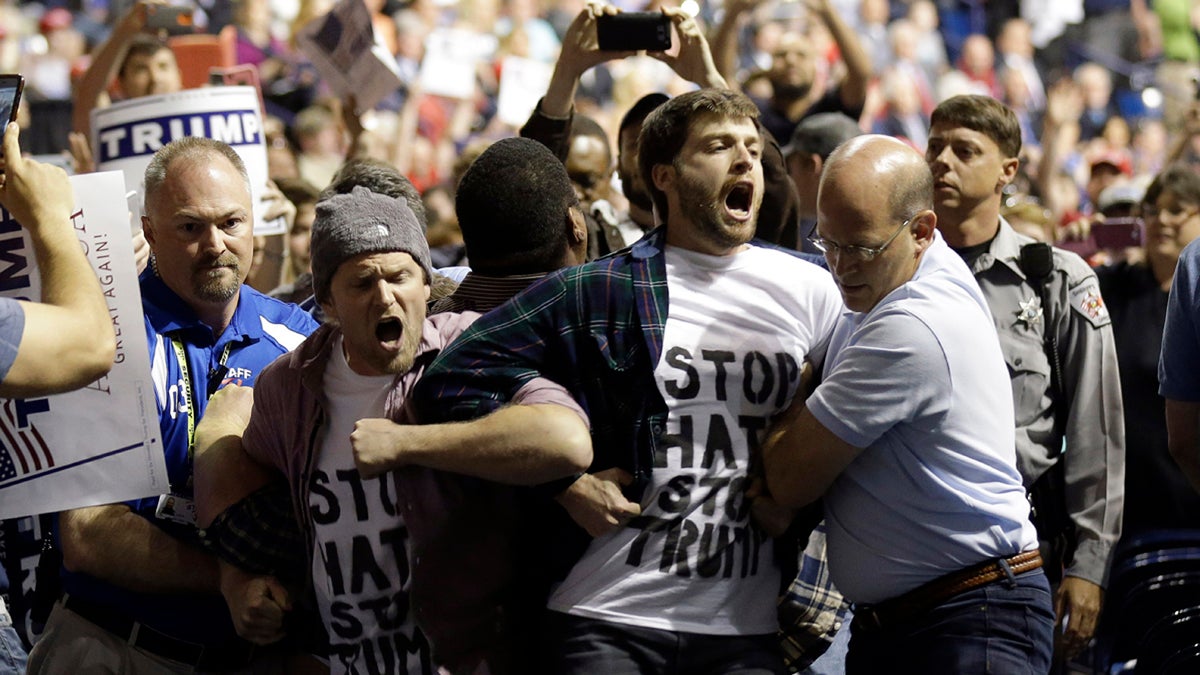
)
(597, 330)
(811, 611)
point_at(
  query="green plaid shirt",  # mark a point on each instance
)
(597, 330)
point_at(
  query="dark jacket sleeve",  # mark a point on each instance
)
(549, 131)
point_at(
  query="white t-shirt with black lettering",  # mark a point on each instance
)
(738, 331)
(360, 558)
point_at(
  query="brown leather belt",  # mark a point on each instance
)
(925, 597)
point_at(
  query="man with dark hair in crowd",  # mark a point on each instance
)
(141, 594)
(678, 383)
(815, 138)
(142, 64)
(1057, 339)
(519, 223)
(589, 163)
(909, 439)
(303, 196)
(796, 90)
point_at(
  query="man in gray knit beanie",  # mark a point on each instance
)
(322, 419)
(371, 274)
(360, 222)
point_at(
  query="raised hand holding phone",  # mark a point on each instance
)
(11, 87)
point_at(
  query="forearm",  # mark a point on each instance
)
(1095, 500)
(225, 475)
(1094, 460)
(795, 458)
(402, 148)
(724, 44)
(858, 64)
(1179, 146)
(52, 358)
(559, 100)
(788, 481)
(554, 133)
(114, 544)
(518, 444)
(1057, 139)
(1188, 459)
(106, 61)
(713, 78)
(269, 273)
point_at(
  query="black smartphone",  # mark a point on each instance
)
(1118, 232)
(11, 87)
(174, 20)
(633, 31)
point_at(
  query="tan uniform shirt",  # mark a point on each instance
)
(1090, 418)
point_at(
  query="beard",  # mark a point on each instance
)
(787, 91)
(709, 214)
(213, 285)
(402, 361)
(635, 191)
(410, 341)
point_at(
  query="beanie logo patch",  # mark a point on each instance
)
(382, 230)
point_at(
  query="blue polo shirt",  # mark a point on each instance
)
(262, 329)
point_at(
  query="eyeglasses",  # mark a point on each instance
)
(860, 253)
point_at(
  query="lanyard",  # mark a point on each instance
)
(187, 389)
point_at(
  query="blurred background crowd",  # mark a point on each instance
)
(1104, 89)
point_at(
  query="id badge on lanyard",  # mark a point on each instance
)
(173, 506)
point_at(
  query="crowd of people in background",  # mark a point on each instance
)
(995, 129)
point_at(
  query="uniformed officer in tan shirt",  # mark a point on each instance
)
(1055, 334)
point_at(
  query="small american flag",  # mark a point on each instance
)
(22, 449)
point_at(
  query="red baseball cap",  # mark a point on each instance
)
(1120, 159)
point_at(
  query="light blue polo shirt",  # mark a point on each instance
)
(920, 383)
(12, 326)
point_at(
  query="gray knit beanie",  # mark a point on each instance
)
(363, 222)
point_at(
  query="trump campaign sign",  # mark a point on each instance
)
(126, 135)
(100, 444)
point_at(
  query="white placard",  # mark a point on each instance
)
(126, 135)
(523, 82)
(451, 57)
(343, 48)
(100, 444)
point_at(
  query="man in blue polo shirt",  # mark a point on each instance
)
(141, 594)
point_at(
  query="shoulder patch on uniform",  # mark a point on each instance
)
(1086, 299)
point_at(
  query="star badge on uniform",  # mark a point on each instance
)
(1031, 312)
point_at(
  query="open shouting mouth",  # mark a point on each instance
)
(389, 331)
(739, 200)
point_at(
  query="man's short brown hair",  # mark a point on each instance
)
(985, 115)
(666, 130)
